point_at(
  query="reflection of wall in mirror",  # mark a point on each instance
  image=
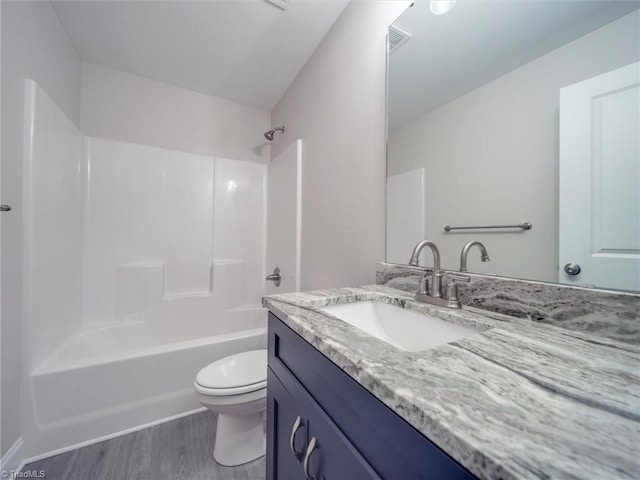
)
(491, 155)
(406, 203)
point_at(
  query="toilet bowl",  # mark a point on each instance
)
(235, 387)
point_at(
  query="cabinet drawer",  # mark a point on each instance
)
(392, 447)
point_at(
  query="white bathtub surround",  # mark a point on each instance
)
(13, 459)
(143, 265)
(239, 230)
(159, 223)
(109, 380)
(52, 224)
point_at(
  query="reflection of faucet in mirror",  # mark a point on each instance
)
(436, 274)
(465, 252)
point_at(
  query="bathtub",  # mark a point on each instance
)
(108, 380)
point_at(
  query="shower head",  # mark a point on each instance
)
(269, 135)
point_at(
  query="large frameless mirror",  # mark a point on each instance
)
(515, 115)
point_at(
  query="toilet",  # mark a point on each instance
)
(235, 387)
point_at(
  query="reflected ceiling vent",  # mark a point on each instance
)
(397, 38)
(283, 4)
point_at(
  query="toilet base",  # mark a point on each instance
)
(239, 439)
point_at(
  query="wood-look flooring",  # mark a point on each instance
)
(177, 450)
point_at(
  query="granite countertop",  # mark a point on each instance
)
(517, 400)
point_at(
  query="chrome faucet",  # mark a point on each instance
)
(465, 252)
(436, 275)
(433, 295)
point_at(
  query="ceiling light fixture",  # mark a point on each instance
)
(440, 7)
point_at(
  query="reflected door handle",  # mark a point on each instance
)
(275, 277)
(5, 208)
(572, 269)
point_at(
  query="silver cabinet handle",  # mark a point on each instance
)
(296, 426)
(5, 208)
(275, 277)
(305, 464)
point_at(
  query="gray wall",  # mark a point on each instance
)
(34, 45)
(491, 156)
(121, 106)
(337, 106)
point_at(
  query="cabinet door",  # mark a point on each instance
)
(328, 453)
(332, 455)
(282, 413)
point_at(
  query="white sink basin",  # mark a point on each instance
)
(404, 329)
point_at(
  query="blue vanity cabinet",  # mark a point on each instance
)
(357, 436)
(285, 452)
(307, 444)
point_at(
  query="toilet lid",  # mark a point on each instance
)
(237, 370)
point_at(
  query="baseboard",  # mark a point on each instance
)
(110, 436)
(13, 460)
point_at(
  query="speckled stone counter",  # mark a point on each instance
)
(517, 400)
(614, 315)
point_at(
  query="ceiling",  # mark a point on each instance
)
(477, 41)
(248, 51)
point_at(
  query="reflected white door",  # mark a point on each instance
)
(600, 180)
(284, 198)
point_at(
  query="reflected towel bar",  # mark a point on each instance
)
(523, 226)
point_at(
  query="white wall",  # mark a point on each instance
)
(337, 106)
(34, 45)
(121, 106)
(497, 149)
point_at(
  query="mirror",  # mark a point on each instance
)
(495, 109)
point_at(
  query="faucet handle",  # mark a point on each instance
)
(422, 286)
(452, 289)
(457, 278)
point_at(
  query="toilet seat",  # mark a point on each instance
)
(222, 392)
(233, 375)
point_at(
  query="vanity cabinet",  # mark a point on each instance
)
(318, 413)
(309, 444)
